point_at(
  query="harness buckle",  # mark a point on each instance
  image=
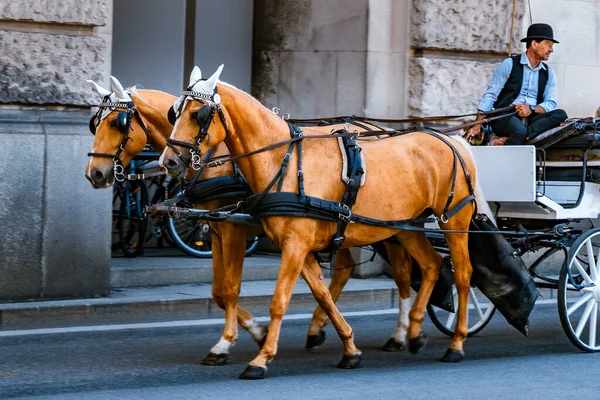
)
(118, 170)
(213, 164)
(287, 157)
(346, 217)
(196, 160)
(443, 218)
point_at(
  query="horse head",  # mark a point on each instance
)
(199, 123)
(120, 134)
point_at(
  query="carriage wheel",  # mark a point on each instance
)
(579, 295)
(480, 312)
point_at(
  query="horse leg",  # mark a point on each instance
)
(343, 269)
(313, 277)
(430, 262)
(292, 263)
(401, 266)
(459, 252)
(227, 274)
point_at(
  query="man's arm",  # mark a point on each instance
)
(549, 103)
(490, 96)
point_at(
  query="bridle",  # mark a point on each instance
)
(123, 125)
(211, 103)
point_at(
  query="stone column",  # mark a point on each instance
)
(56, 229)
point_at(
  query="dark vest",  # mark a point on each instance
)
(513, 84)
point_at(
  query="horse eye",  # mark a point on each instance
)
(194, 115)
(113, 123)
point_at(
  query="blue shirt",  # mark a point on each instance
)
(529, 87)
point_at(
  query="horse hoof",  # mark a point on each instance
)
(350, 362)
(262, 341)
(314, 341)
(215, 359)
(392, 345)
(252, 373)
(417, 344)
(452, 356)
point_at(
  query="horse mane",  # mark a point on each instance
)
(134, 92)
(246, 94)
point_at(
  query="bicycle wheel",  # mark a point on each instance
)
(195, 238)
(132, 222)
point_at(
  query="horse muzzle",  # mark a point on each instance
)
(174, 165)
(100, 179)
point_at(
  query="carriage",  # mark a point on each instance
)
(549, 191)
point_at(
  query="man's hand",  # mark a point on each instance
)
(523, 110)
(474, 132)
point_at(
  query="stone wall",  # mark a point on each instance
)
(56, 228)
(309, 58)
(456, 46)
(319, 58)
(576, 59)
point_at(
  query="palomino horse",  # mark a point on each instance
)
(408, 175)
(228, 244)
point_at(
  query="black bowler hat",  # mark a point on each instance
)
(539, 31)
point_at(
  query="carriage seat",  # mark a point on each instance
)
(574, 133)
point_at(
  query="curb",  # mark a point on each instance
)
(183, 302)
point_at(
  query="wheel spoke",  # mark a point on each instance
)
(591, 259)
(585, 317)
(593, 325)
(476, 304)
(597, 263)
(581, 270)
(451, 316)
(579, 303)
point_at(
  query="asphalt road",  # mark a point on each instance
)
(164, 364)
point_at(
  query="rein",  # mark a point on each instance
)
(220, 160)
(403, 120)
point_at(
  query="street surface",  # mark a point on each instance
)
(163, 363)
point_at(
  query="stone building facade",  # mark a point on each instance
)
(383, 58)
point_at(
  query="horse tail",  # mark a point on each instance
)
(482, 204)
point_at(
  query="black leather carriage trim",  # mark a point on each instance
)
(288, 204)
(217, 188)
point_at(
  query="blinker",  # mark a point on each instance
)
(171, 116)
(121, 122)
(204, 116)
(93, 124)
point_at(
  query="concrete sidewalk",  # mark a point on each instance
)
(164, 285)
(170, 287)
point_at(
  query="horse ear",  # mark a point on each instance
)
(118, 89)
(211, 82)
(99, 89)
(208, 86)
(195, 76)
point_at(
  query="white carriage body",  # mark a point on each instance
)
(507, 175)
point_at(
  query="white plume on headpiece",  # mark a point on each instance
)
(99, 89)
(120, 93)
(207, 86)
